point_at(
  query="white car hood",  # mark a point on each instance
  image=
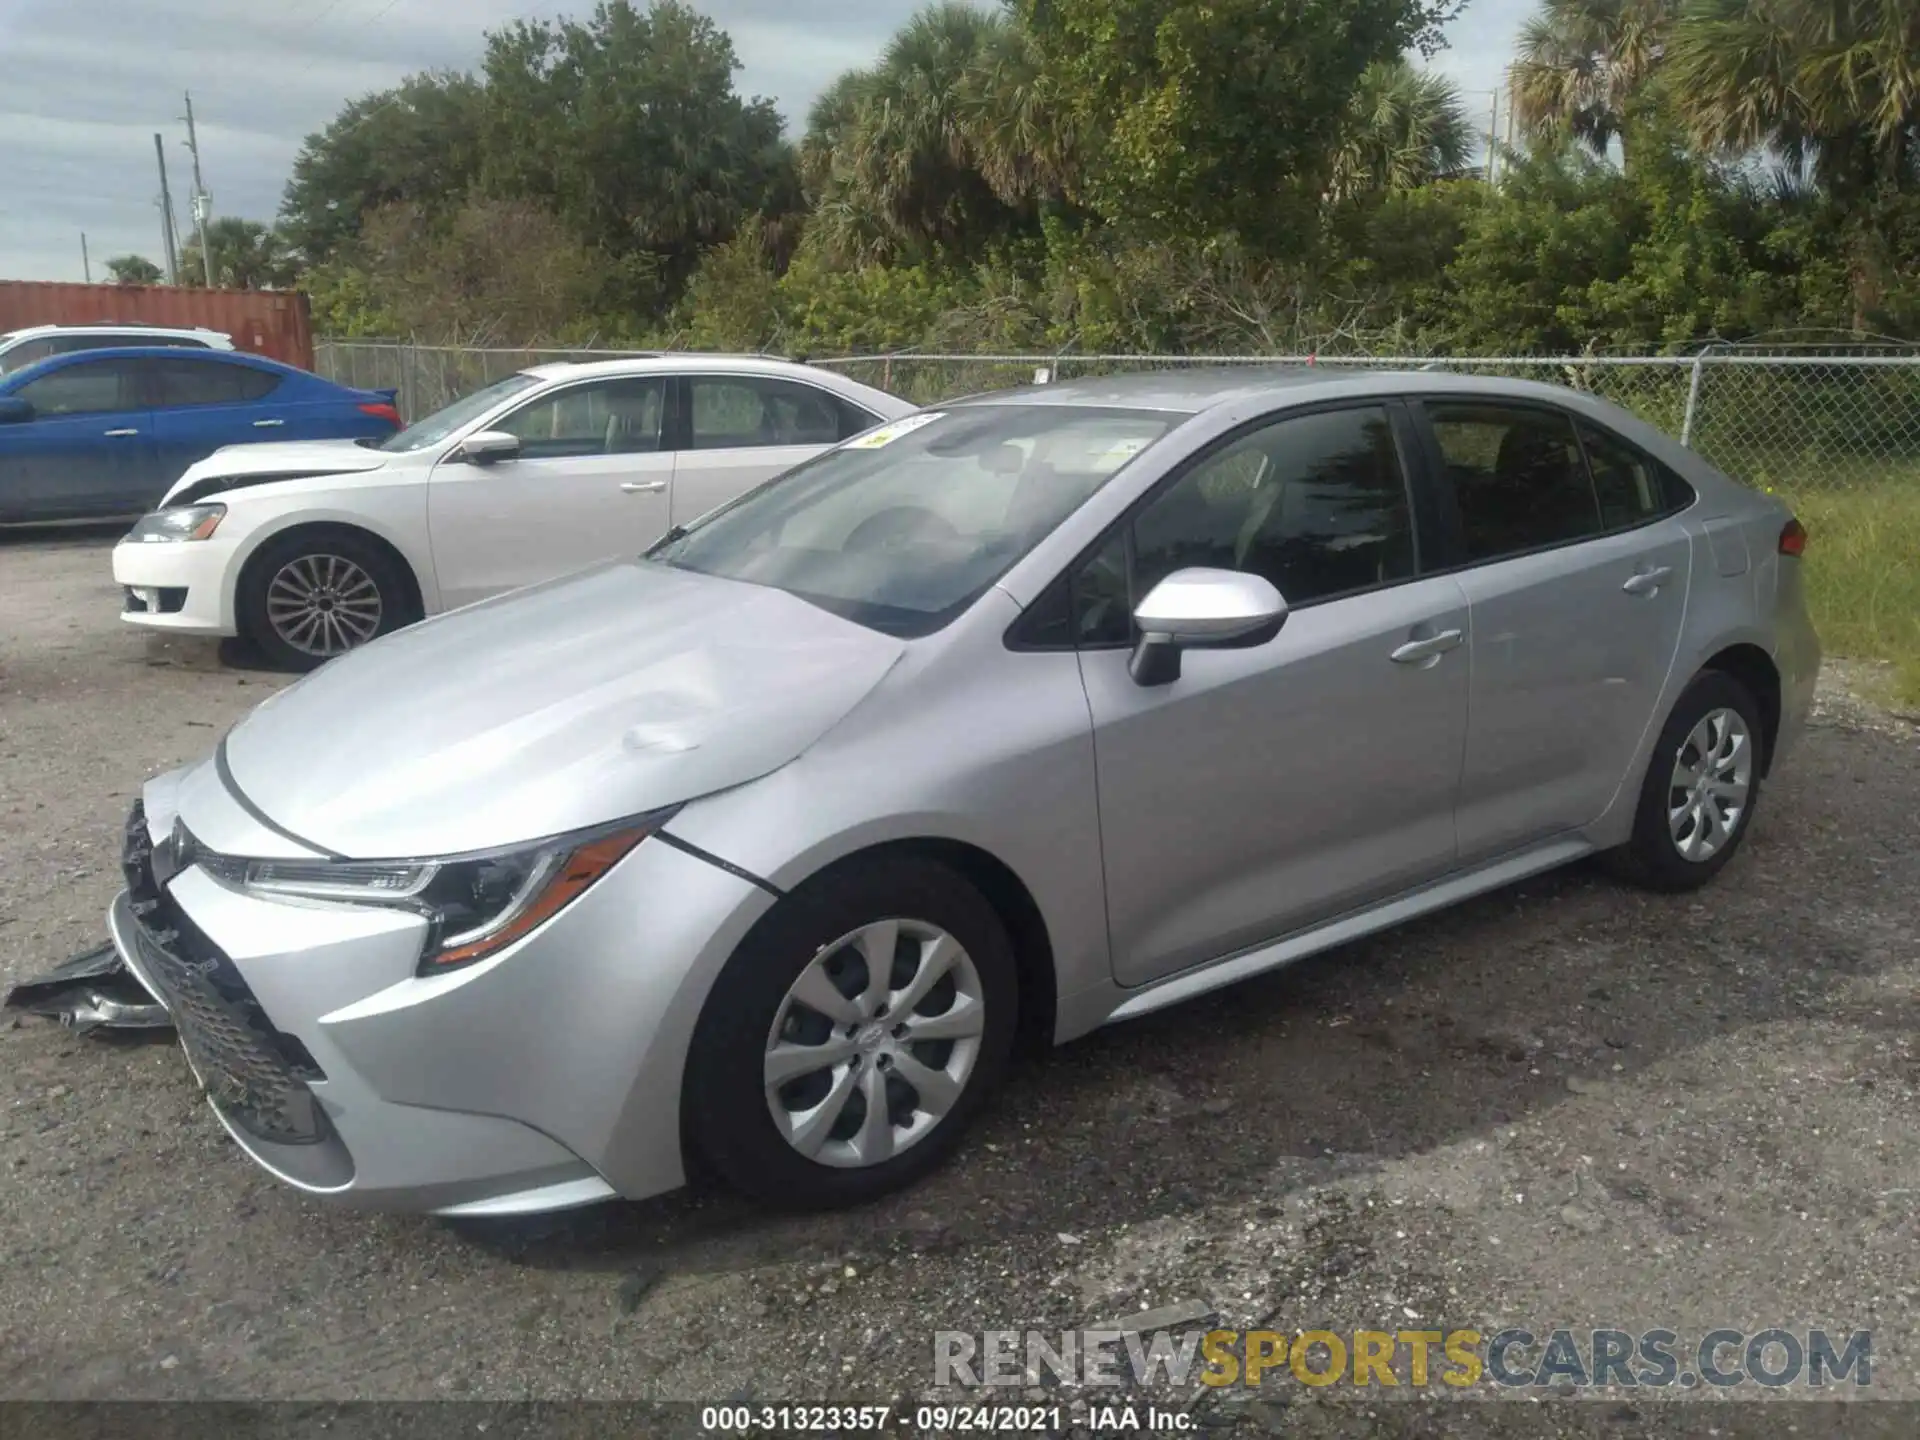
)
(286, 459)
(601, 695)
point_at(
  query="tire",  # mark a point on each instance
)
(1657, 856)
(339, 568)
(728, 1112)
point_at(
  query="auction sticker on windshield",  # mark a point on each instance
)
(887, 434)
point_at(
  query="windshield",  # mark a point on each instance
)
(902, 528)
(464, 411)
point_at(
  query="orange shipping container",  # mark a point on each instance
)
(275, 323)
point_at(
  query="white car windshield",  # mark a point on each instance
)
(449, 418)
(902, 528)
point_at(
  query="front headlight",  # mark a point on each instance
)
(186, 522)
(474, 904)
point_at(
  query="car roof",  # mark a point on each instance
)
(1201, 386)
(674, 361)
(162, 352)
(28, 332)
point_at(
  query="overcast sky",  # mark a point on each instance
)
(84, 84)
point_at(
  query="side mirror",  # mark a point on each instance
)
(14, 410)
(1200, 609)
(488, 447)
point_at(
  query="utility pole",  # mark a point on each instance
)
(1493, 133)
(202, 202)
(166, 213)
(86, 265)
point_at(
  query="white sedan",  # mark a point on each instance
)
(310, 549)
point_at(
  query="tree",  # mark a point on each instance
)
(1581, 63)
(1404, 128)
(245, 254)
(1830, 85)
(894, 154)
(493, 270)
(628, 129)
(417, 144)
(1202, 116)
(134, 270)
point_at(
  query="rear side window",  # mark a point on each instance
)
(89, 387)
(27, 352)
(1518, 477)
(207, 382)
(853, 420)
(751, 411)
(1632, 488)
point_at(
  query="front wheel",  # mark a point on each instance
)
(1702, 785)
(853, 1036)
(310, 597)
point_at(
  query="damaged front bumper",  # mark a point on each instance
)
(93, 991)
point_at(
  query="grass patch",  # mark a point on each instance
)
(1863, 572)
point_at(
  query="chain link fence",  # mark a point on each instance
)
(1791, 419)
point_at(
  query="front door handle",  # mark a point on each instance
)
(1649, 581)
(120, 432)
(267, 424)
(643, 487)
(1432, 647)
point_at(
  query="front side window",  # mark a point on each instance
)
(1518, 478)
(87, 387)
(610, 417)
(750, 411)
(1316, 504)
(906, 526)
(206, 382)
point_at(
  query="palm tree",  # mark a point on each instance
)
(1018, 138)
(938, 146)
(239, 254)
(134, 270)
(1581, 62)
(1832, 82)
(1832, 87)
(1405, 127)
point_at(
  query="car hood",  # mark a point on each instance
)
(234, 465)
(601, 695)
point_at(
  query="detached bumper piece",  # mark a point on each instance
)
(92, 991)
(255, 1076)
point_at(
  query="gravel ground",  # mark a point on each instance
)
(1565, 1104)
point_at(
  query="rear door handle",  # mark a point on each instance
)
(120, 432)
(643, 487)
(1432, 647)
(267, 424)
(1649, 581)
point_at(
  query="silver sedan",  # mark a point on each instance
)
(998, 723)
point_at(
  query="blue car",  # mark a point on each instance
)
(100, 433)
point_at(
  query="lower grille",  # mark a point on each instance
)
(247, 1066)
(167, 600)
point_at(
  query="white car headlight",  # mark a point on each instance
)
(185, 522)
(474, 904)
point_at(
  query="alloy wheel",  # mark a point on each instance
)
(323, 605)
(874, 1043)
(1711, 786)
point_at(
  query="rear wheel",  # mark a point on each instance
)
(310, 597)
(853, 1036)
(1702, 784)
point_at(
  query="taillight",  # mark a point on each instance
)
(380, 410)
(1793, 538)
